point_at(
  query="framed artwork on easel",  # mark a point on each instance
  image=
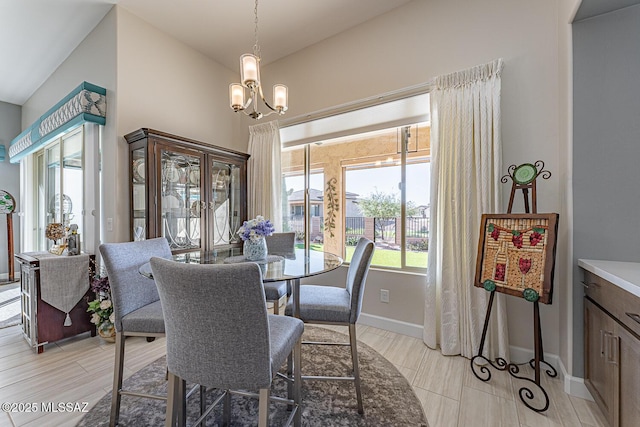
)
(516, 255)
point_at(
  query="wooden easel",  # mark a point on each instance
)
(7, 206)
(526, 394)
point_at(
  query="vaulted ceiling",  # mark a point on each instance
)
(37, 35)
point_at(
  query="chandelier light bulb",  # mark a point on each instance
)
(249, 70)
(236, 94)
(280, 97)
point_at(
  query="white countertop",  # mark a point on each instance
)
(625, 275)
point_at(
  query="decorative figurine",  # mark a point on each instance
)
(73, 240)
(55, 232)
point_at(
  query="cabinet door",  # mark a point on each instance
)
(226, 210)
(628, 359)
(600, 373)
(180, 204)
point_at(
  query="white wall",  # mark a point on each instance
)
(165, 85)
(567, 9)
(424, 39)
(94, 61)
(606, 146)
(9, 181)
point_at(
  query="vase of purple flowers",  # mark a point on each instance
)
(253, 233)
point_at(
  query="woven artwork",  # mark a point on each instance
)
(516, 255)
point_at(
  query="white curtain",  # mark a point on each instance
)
(264, 173)
(466, 166)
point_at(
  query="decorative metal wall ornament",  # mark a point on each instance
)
(333, 206)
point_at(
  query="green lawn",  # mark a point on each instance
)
(384, 257)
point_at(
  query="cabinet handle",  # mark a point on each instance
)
(602, 339)
(586, 285)
(613, 356)
(212, 205)
(203, 205)
(634, 316)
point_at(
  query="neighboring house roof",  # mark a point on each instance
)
(315, 195)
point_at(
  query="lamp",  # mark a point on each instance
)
(250, 79)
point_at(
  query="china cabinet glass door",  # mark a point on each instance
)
(182, 208)
(225, 202)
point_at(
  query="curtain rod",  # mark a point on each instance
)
(407, 92)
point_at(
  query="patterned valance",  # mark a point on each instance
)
(86, 103)
(2, 153)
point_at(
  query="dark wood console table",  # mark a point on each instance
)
(41, 322)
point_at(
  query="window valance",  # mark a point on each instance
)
(86, 103)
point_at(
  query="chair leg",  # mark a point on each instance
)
(356, 370)
(172, 394)
(117, 379)
(203, 399)
(276, 306)
(226, 411)
(297, 382)
(182, 402)
(291, 369)
(263, 408)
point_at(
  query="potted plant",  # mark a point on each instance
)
(102, 308)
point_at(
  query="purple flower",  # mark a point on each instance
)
(255, 229)
(100, 284)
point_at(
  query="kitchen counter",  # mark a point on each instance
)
(625, 275)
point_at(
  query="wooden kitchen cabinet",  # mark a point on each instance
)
(612, 346)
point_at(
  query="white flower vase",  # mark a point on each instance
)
(255, 250)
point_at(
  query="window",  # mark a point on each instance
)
(380, 181)
(59, 181)
(364, 169)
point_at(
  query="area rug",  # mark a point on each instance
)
(387, 396)
(9, 305)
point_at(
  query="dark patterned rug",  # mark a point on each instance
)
(387, 396)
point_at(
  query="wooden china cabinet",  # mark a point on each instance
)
(192, 193)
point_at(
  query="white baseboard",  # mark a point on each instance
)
(397, 326)
(573, 386)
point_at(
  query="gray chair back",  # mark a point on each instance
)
(281, 243)
(216, 323)
(357, 275)
(130, 290)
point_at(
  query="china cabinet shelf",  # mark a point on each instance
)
(192, 193)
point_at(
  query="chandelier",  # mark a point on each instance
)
(250, 78)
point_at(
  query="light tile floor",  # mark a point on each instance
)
(80, 370)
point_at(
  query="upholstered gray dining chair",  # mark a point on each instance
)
(136, 303)
(339, 306)
(220, 335)
(279, 244)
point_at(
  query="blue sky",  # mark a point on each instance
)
(383, 179)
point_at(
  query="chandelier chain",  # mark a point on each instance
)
(256, 46)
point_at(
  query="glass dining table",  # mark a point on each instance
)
(291, 266)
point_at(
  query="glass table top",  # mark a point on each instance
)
(278, 266)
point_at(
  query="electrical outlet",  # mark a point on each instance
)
(384, 295)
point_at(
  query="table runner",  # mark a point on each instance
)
(63, 280)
